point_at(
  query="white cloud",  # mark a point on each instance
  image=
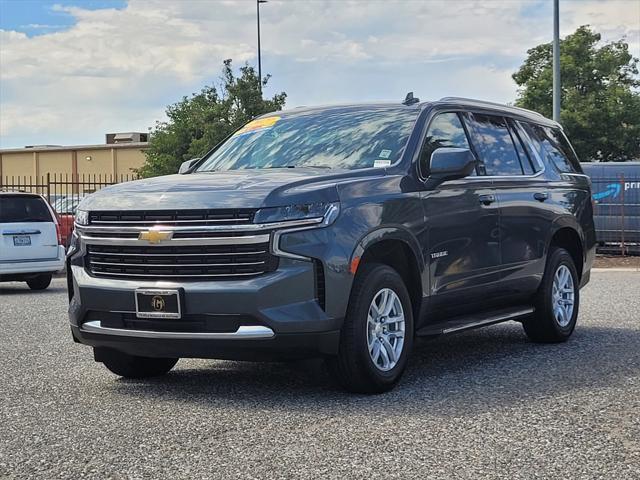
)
(117, 69)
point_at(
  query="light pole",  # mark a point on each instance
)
(258, 2)
(556, 60)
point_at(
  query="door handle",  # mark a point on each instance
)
(487, 199)
(541, 196)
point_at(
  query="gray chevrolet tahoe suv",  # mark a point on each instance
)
(339, 232)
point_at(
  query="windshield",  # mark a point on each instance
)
(355, 137)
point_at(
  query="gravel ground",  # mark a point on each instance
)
(483, 404)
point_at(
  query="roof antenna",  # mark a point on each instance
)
(410, 99)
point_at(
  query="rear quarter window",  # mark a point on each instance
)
(22, 208)
(553, 145)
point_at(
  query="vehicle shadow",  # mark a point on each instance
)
(453, 375)
(17, 288)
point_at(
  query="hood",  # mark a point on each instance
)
(231, 189)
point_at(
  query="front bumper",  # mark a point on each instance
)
(278, 347)
(34, 266)
(271, 316)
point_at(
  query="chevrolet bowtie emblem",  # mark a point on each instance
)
(155, 236)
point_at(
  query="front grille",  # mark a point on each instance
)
(192, 218)
(180, 262)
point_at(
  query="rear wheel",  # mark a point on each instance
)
(557, 301)
(131, 366)
(377, 334)
(40, 282)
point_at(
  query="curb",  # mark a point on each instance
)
(616, 269)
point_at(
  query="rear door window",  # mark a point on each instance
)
(445, 130)
(23, 208)
(529, 165)
(554, 146)
(494, 144)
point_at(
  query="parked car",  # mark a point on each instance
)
(65, 207)
(616, 194)
(338, 232)
(31, 247)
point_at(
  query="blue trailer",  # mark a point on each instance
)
(616, 197)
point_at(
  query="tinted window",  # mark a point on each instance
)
(445, 130)
(554, 146)
(528, 166)
(350, 137)
(22, 208)
(494, 145)
(530, 161)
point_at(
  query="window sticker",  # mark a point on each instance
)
(381, 163)
(385, 154)
(257, 125)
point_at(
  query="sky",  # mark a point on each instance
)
(73, 70)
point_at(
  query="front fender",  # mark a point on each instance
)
(394, 232)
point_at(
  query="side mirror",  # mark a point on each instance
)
(186, 166)
(448, 163)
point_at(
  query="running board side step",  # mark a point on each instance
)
(468, 322)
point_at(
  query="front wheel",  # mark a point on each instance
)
(377, 334)
(557, 301)
(131, 366)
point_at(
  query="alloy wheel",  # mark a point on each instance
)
(563, 296)
(385, 329)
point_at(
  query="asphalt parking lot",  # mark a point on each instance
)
(483, 404)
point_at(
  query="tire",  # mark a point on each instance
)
(130, 366)
(40, 282)
(552, 323)
(354, 367)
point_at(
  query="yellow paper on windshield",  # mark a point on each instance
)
(258, 124)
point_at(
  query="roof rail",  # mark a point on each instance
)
(484, 102)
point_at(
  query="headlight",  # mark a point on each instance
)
(325, 213)
(82, 217)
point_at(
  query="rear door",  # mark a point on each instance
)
(523, 195)
(27, 229)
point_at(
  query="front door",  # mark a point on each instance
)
(462, 218)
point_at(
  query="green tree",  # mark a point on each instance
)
(195, 124)
(600, 99)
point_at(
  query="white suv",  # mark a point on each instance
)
(30, 243)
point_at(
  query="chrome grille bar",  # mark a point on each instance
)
(173, 265)
(222, 254)
(245, 240)
(144, 275)
(250, 227)
(161, 222)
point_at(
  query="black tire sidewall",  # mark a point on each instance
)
(130, 366)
